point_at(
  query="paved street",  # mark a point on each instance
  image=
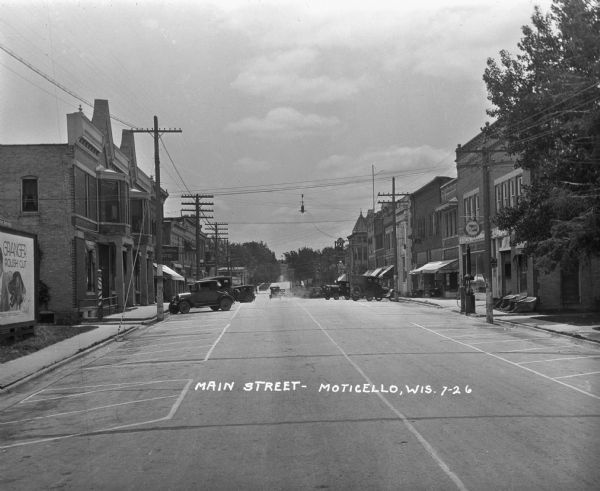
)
(312, 394)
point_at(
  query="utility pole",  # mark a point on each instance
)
(220, 233)
(198, 211)
(156, 131)
(487, 227)
(487, 231)
(394, 233)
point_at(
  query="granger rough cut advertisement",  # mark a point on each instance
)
(17, 278)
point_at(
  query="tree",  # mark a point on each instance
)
(320, 266)
(258, 258)
(546, 100)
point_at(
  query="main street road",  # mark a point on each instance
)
(312, 394)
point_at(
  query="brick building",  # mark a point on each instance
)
(357, 251)
(92, 209)
(427, 248)
(511, 270)
(403, 234)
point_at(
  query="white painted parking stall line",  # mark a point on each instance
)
(525, 349)
(87, 410)
(220, 336)
(142, 353)
(493, 355)
(558, 359)
(105, 388)
(168, 417)
(578, 375)
(505, 341)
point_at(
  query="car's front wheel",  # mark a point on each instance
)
(225, 304)
(184, 307)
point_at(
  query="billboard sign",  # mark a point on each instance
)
(17, 277)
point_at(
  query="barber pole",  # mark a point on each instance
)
(99, 286)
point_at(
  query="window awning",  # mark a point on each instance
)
(174, 275)
(375, 273)
(368, 272)
(435, 266)
(386, 272)
(342, 278)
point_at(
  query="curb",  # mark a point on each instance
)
(505, 321)
(551, 331)
(84, 351)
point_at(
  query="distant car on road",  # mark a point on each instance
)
(204, 293)
(315, 292)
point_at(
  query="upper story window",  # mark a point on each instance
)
(113, 201)
(86, 194)
(29, 194)
(508, 192)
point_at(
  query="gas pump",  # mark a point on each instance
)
(467, 291)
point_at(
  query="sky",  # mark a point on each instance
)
(278, 101)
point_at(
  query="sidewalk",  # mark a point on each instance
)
(21, 369)
(585, 325)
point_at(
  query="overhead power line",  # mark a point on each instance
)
(57, 84)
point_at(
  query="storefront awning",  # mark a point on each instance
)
(387, 271)
(368, 272)
(174, 275)
(342, 278)
(436, 266)
(376, 273)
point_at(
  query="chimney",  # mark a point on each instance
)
(101, 120)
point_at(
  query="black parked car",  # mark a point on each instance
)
(244, 293)
(330, 291)
(204, 293)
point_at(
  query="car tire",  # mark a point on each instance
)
(336, 297)
(378, 299)
(369, 298)
(184, 307)
(225, 304)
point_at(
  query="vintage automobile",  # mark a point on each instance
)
(344, 287)
(244, 293)
(330, 291)
(276, 291)
(226, 282)
(315, 292)
(369, 288)
(203, 293)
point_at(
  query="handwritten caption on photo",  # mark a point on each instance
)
(365, 388)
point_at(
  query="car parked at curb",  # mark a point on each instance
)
(244, 293)
(204, 293)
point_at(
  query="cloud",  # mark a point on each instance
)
(284, 122)
(407, 161)
(247, 164)
(295, 76)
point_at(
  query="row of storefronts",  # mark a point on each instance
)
(435, 235)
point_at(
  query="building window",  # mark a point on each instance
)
(519, 186)
(29, 194)
(498, 197)
(90, 269)
(513, 196)
(109, 201)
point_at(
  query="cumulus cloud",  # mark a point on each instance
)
(295, 76)
(406, 161)
(284, 122)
